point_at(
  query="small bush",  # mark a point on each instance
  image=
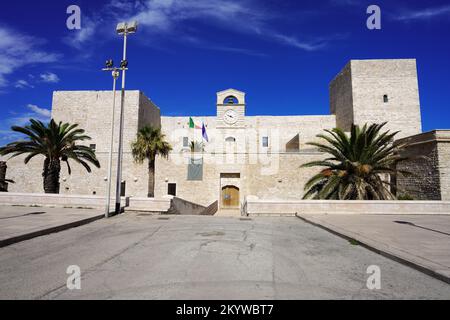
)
(405, 197)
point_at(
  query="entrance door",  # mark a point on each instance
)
(230, 197)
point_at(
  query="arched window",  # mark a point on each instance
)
(386, 98)
(230, 139)
(231, 100)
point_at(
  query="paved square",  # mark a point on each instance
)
(423, 240)
(18, 222)
(187, 257)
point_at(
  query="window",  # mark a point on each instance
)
(265, 142)
(172, 189)
(93, 147)
(185, 142)
(385, 98)
(123, 187)
(231, 100)
(230, 139)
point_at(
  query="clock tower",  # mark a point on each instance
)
(230, 109)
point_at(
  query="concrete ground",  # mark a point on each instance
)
(20, 222)
(186, 257)
(423, 240)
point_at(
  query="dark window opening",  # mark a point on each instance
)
(231, 100)
(385, 98)
(123, 188)
(93, 147)
(172, 189)
(265, 142)
(185, 142)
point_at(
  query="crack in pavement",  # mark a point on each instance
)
(93, 268)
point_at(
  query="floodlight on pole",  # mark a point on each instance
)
(115, 72)
(124, 29)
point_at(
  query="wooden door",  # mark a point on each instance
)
(230, 197)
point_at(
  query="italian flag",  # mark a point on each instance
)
(192, 124)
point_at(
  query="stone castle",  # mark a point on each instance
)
(247, 156)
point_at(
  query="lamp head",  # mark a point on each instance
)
(124, 27)
(121, 27)
(132, 27)
(109, 63)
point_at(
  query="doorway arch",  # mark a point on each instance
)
(230, 197)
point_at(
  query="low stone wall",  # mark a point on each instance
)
(290, 208)
(56, 200)
(160, 205)
(181, 206)
(211, 209)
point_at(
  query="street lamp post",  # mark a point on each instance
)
(115, 74)
(122, 29)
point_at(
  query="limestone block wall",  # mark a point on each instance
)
(372, 79)
(278, 177)
(92, 111)
(357, 95)
(264, 172)
(444, 163)
(341, 98)
(430, 163)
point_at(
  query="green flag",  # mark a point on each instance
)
(191, 123)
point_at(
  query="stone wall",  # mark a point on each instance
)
(429, 165)
(357, 95)
(290, 208)
(341, 98)
(264, 172)
(444, 163)
(92, 111)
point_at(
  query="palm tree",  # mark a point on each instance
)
(56, 142)
(149, 143)
(357, 165)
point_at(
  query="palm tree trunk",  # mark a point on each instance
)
(51, 175)
(3, 184)
(151, 178)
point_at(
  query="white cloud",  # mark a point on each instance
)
(307, 46)
(21, 119)
(42, 112)
(18, 50)
(171, 19)
(21, 84)
(168, 17)
(49, 77)
(423, 14)
(78, 38)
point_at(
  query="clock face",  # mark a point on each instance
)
(230, 117)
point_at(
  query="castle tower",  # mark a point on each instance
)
(230, 109)
(376, 91)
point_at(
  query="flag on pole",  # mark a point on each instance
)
(192, 124)
(204, 134)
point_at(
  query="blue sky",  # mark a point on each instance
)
(283, 54)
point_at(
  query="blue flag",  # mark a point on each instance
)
(204, 134)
